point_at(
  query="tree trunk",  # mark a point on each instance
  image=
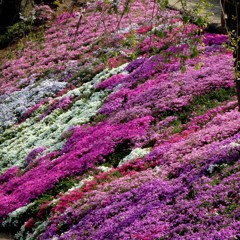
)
(231, 9)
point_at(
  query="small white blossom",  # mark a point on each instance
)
(135, 153)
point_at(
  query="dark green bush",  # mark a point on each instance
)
(18, 30)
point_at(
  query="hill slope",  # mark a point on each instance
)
(105, 137)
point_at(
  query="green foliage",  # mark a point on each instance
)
(186, 18)
(18, 30)
(162, 3)
(122, 150)
(37, 36)
(223, 171)
(85, 74)
(161, 34)
(150, 144)
(200, 104)
(191, 194)
(194, 52)
(230, 208)
(98, 118)
(57, 3)
(177, 126)
(62, 186)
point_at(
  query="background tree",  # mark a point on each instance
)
(231, 20)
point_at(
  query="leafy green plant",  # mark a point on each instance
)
(18, 30)
(121, 151)
(35, 20)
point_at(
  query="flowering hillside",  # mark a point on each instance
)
(104, 134)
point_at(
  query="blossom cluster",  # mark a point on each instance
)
(139, 150)
(48, 132)
(162, 87)
(69, 42)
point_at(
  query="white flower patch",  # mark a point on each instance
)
(40, 228)
(165, 26)
(17, 104)
(135, 153)
(19, 235)
(47, 133)
(212, 167)
(128, 28)
(232, 146)
(235, 145)
(13, 217)
(104, 168)
(109, 73)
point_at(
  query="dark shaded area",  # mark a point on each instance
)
(231, 20)
(5, 236)
(10, 9)
(121, 151)
(9, 13)
(51, 3)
